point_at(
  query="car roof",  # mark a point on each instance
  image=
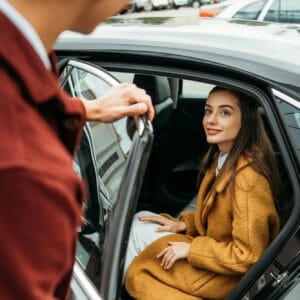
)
(267, 50)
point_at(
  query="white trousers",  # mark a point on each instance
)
(142, 234)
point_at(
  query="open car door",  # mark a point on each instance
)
(111, 159)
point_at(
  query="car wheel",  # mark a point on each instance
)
(148, 6)
(196, 4)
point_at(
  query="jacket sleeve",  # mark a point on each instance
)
(188, 218)
(39, 218)
(254, 220)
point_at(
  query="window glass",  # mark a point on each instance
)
(123, 77)
(251, 11)
(195, 89)
(284, 11)
(291, 116)
(111, 142)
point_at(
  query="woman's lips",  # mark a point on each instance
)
(211, 131)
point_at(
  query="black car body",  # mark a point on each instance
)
(184, 55)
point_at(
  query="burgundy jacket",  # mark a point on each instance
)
(40, 195)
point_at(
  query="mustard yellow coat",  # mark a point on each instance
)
(229, 231)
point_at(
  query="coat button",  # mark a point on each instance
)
(72, 123)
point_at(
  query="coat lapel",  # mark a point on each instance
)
(205, 199)
(208, 195)
(226, 177)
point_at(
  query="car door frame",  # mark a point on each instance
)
(118, 226)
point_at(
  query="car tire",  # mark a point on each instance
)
(196, 4)
(148, 6)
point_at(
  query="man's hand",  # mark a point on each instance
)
(176, 250)
(122, 100)
(167, 225)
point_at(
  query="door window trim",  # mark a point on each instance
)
(286, 98)
(84, 283)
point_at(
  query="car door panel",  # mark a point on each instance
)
(113, 156)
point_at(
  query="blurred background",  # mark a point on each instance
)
(283, 11)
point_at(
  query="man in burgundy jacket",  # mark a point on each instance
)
(40, 195)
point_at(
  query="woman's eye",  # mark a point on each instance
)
(207, 111)
(225, 113)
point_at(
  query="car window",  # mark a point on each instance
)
(291, 116)
(250, 11)
(111, 142)
(284, 11)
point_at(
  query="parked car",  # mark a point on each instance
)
(127, 168)
(284, 11)
(198, 3)
(211, 10)
(155, 4)
(139, 4)
(177, 3)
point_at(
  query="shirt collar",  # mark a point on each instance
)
(221, 160)
(27, 30)
(226, 177)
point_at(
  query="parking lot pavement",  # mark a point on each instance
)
(181, 12)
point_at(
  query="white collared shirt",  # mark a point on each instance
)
(221, 161)
(27, 30)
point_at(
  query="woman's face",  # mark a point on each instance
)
(222, 119)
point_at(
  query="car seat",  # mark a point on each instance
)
(159, 90)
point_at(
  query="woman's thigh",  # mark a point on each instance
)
(141, 235)
(144, 233)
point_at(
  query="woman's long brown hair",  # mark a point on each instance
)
(252, 143)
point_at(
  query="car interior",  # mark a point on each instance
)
(170, 182)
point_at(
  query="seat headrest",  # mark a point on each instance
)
(156, 86)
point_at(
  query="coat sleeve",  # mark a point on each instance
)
(39, 218)
(254, 221)
(188, 217)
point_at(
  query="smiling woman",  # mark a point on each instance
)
(222, 119)
(205, 253)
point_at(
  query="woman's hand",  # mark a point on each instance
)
(176, 250)
(167, 225)
(122, 100)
